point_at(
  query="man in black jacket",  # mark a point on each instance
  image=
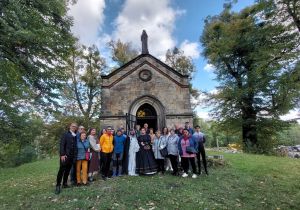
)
(68, 153)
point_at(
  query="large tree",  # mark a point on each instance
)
(287, 11)
(255, 65)
(82, 93)
(183, 64)
(35, 39)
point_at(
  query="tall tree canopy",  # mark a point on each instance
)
(122, 52)
(254, 63)
(82, 93)
(180, 62)
(35, 39)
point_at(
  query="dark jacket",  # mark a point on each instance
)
(68, 145)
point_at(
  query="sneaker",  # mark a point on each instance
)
(184, 175)
(194, 176)
(57, 190)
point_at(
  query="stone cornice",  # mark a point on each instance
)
(137, 67)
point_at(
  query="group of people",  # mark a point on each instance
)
(141, 151)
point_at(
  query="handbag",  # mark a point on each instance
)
(190, 150)
(164, 151)
(87, 153)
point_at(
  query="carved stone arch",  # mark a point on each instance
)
(155, 103)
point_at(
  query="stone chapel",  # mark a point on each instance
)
(145, 90)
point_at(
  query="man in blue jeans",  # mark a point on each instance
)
(119, 142)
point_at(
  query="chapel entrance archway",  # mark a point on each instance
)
(148, 109)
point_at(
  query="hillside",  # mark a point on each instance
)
(248, 182)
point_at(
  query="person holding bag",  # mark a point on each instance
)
(187, 148)
(83, 156)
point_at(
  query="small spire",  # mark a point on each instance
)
(144, 39)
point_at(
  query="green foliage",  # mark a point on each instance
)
(48, 143)
(17, 143)
(35, 40)
(82, 93)
(270, 183)
(121, 52)
(180, 62)
(284, 11)
(254, 61)
(217, 133)
(290, 136)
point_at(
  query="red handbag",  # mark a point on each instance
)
(87, 155)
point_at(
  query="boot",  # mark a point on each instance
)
(57, 189)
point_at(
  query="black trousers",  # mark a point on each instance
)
(73, 173)
(160, 165)
(64, 170)
(174, 163)
(185, 164)
(106, 159)
(201, 151)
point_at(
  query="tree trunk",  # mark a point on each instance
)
(249, 127)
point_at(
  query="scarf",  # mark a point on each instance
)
(73, 134)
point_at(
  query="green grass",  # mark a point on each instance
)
(248, 182)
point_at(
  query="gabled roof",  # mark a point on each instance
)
(137, 58)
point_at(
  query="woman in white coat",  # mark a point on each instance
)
(133, 149)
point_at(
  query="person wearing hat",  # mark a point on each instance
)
(119, 141)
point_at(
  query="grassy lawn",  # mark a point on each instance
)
(248, 182)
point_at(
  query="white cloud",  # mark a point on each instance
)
(209, 67)
(88, 18)
(204, 115)
(292, 115)
(157, 17)
(190, 49)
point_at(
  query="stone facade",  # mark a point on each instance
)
(145, 80)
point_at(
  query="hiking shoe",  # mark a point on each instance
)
(194, 176)
(184, 175)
